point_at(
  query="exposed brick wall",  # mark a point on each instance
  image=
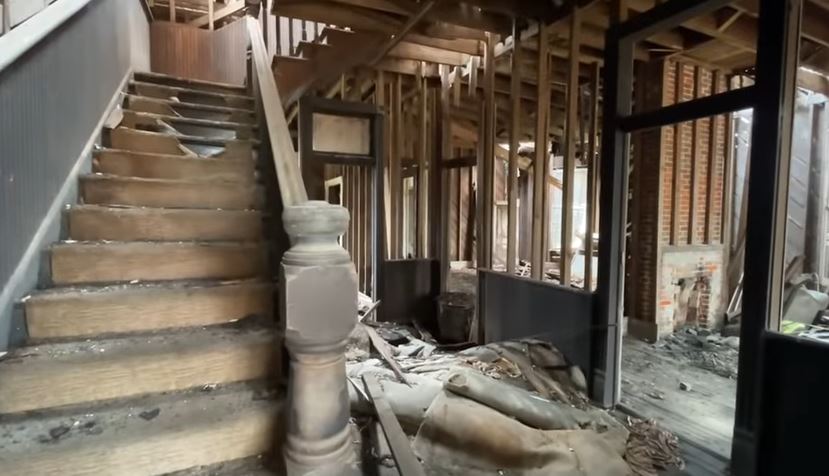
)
(663, 164)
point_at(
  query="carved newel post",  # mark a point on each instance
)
(320, 310)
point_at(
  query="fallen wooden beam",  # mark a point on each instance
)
(401, 450)
(384, 349)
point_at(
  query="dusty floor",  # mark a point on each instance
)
(668, 382)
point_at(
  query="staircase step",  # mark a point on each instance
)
(165, 193)
(189, 125)
(186, 94)
(111, 262)
(60, 374)
(199, 84)
(95, 223)
(189, 430)
(198, 111)
(163, 142)
(90, 311)
(127, 163)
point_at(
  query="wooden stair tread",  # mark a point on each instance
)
(53, 375)
(89, 311)
(190, 105)
(115, 262)
(96, 222)
(189, 430)
(191, 120)
(195, 83)
(169, 193)
(127, 163)
(190, 90)
(182, 138)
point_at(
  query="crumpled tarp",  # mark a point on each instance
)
(463, 437)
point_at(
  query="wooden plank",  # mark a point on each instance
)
(393, 43)
(97, 223)
(401, 450)
(64, 374)
(77, 263)
(210, 17)
(487, 167)
(593, 164)
(395, 167)
(570, 141)
(143, 141)
(143, 308)
(172, 4)
(139, 192)
(421, 147)
(161, 166)
(540, 164)
(514, 138)
(385, 351)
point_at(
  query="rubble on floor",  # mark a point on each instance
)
(703, 348)
(516, 408)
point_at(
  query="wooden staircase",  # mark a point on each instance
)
(322, 60)
(154, 349)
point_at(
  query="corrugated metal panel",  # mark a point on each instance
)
(51, 99)
(190, 52)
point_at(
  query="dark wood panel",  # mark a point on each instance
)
(182, 50)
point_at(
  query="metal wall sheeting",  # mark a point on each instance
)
(51, 100)
(510, 307)
(190, 52)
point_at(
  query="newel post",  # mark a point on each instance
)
(319, 286)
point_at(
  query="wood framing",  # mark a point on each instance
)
(570, 141)
(540, 164)
(514, 136)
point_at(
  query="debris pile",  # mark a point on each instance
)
(516, 407)
(704, 349)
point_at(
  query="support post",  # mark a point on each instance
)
(172, 11)
(570, 140)
(540, 164)
(422, 176)
(592, 176)
(777, 61)
(319, 296)
(514, 136)
(210, 19)
(395, 176)
(487, 168)
(693, 223)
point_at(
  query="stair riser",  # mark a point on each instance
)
(192, 96)
(145, 224)
(171, 195)
(86, 314)
(190, 83)
(170, 167)
(67, 381)
(157, 450)
(79, 264)
(147, 105)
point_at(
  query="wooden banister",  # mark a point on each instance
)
(291, 186)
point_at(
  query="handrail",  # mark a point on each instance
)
(291, 186)
(17, 41)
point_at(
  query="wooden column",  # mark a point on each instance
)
(570, 141)
(486, 163)
(381, 102)
(592, 176)
(540, 164)
(172, 11)
(514, 136)
(211, 27)
(422, 176)
(438, 206)
(395, 176)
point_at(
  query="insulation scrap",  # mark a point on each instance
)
(651, 449)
